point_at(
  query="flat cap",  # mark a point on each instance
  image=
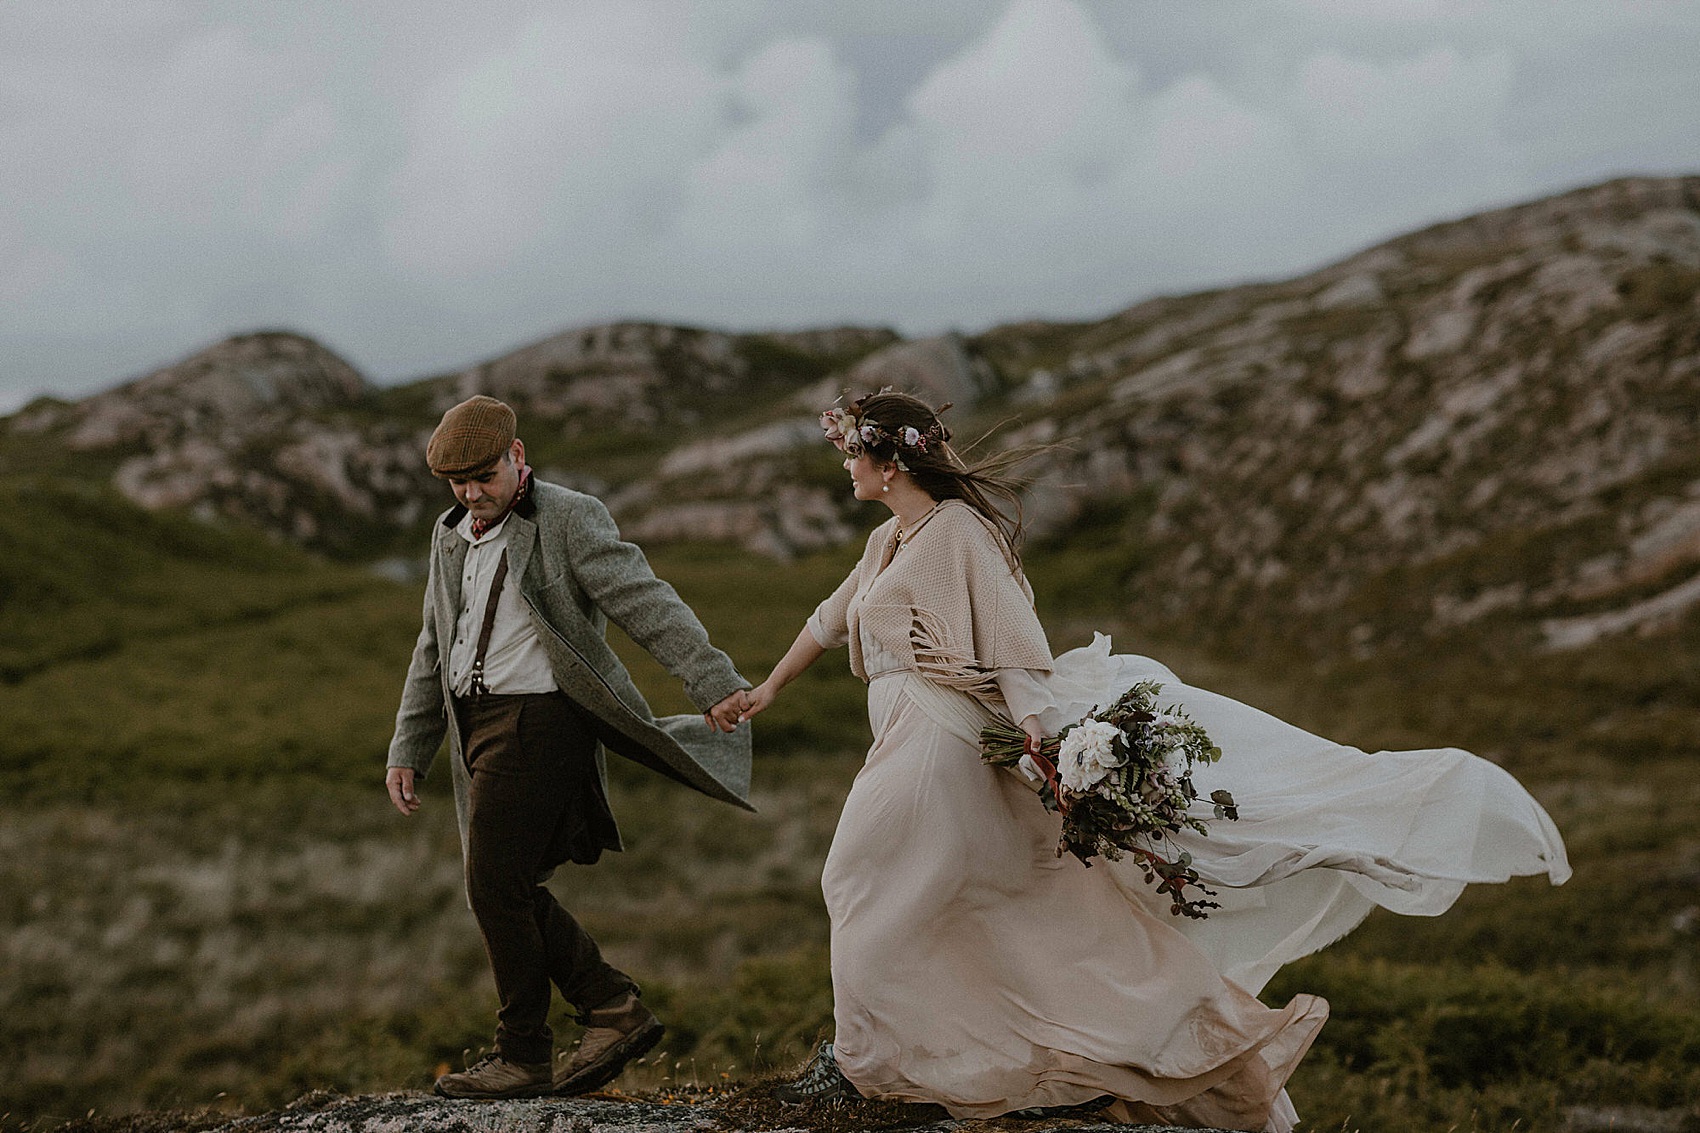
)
(471, 438)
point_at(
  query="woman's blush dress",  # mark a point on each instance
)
(974, 968)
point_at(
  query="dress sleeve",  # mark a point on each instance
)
(830, 623)
(1006, 629)
(1025, 692)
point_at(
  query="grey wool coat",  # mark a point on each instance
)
(574, 574)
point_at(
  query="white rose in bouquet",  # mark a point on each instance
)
(1088, 754)
(1136, 809)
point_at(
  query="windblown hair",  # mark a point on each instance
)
(986, 485)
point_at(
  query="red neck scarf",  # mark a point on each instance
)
(482, 526)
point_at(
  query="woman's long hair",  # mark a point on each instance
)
(985, 485)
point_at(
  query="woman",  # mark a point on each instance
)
(973, 967)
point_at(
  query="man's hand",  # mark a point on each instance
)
(725, 714)
(757, 699)
(399, 782)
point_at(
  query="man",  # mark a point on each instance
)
(512, 664)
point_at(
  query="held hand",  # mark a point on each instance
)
(399, 782)
(727, 714)
(1035, 764)
(757, 699)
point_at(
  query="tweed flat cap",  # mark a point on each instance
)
(471, 437)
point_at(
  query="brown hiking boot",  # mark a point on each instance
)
(495, 1077)
(614, 1034)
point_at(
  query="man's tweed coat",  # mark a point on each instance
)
(574, 574)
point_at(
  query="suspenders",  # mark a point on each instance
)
(479, 688)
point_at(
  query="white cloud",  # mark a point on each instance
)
(1016, 124)
(1040, 85)
(32, 273)
(429, 183)
(1201, 137)
(153, 186)
(1439, 101)
(1371, 11)
(567, 142)
(773, 182)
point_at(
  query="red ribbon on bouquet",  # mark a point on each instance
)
(1034, 751)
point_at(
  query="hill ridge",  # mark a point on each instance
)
(1488, 421)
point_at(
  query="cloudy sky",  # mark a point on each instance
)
(423, 183)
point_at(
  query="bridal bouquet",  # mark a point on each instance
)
(1122, 780)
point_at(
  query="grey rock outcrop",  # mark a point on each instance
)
(423, 1113)
(1526, 377)
(938, 370)
(644, 376)
(273, 430)
(1491, 420)
(222, 388)
(263, 428)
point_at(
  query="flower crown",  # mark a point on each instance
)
(852, 433)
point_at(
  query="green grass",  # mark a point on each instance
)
(203, 892)
(258, 942)
(172, 654)
(1460, 1042)
(754, 609)
(101, 570)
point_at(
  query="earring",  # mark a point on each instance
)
(885, 487)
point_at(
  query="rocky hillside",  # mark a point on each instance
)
(273, 430)
(1492, 422)
(1489, 424)
(269, 429)
(1491, 419)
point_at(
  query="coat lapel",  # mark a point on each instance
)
(522, 539)
(452, 548)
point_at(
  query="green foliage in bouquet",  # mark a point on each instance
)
(1122, 780)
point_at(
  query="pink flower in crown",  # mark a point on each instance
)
(837, 425)
(869, 434)
(911, 436)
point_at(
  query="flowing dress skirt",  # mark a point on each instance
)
(975, 969)
(1326, 832)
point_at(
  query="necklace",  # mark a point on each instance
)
(904, 533)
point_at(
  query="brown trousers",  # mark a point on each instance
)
(535, 801)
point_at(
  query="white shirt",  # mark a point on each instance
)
(515, 662)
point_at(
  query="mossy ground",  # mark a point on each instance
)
(207, 902)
